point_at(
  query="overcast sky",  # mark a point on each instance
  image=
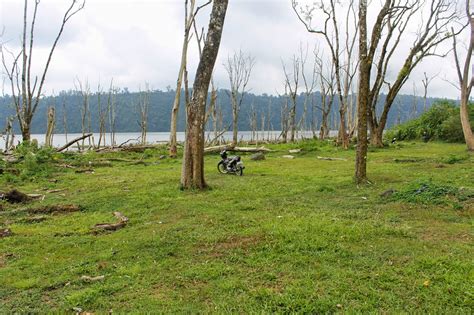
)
(139, 41)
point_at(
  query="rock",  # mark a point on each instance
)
(295, 151)
(288, 157)
(388, 193)
(257, 156)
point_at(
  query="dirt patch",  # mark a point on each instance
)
(233, 243)
(436, 234)
(4, 259)
(5, 233)
(54, 209)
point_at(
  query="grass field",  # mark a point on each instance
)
(288, 236)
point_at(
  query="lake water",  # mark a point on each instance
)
(159, 137)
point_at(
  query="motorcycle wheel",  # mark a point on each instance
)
(240, 171)
(222, 168)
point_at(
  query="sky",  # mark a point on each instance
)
(138, 42)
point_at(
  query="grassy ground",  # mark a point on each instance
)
(289, 236)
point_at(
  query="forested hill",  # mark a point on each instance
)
(160, 110)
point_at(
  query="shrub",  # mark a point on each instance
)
(36, 161)
(440, 122)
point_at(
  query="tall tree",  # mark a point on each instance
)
(433, 29)
(27, 93)
(238, 67)
(362, 97)
(192, 175)
(190, 12)
(341, 53)
(292, 82)
(465, 82)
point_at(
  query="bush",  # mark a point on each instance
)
(36, 161)
(440, 122)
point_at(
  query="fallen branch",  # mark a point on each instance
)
(330, 158)
(124, 143)
(92, 279)
(123, 220)
(70, 143)
(235, 149)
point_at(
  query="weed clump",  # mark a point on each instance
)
(427, 192)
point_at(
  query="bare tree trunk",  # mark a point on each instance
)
(27, 90)
(65, 119)
(51, 118)
(238, 67)
(193, 162)
(466, 83)
(143, 105)
(9, 140)
(362, 97)
(182, 69)
(112, 111)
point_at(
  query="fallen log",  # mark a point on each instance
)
(70, 143)
(14, 196)
(235, 149)
(330, 158)
(123, 220)
(92, 279)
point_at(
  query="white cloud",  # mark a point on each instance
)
(140, 41)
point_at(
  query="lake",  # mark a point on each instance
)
(158, 137)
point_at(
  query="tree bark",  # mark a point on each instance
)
(193, 162)
(466, 87)
(362, 97)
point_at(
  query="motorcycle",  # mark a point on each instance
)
(230, 165)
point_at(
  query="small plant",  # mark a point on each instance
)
(453, 159)
(35, 161)
(426, 193)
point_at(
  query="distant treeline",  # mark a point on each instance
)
(127, 111)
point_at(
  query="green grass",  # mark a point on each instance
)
(289, 236)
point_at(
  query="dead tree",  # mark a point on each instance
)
(331, 33)
(426, 82)
(309, 85)
(65, 119)
(9, 134)
(466, 83)
(327, 92)
(192, 175)
(238, 67)
(190, 12)
(112, 110)
(84, 90)
(51, 122)
(365, 65)
(27, 88)
(284, 114)
(253, 123)
(414, 103)
(143, 105)
(292, 83)
(102, 116)
(433, 30)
